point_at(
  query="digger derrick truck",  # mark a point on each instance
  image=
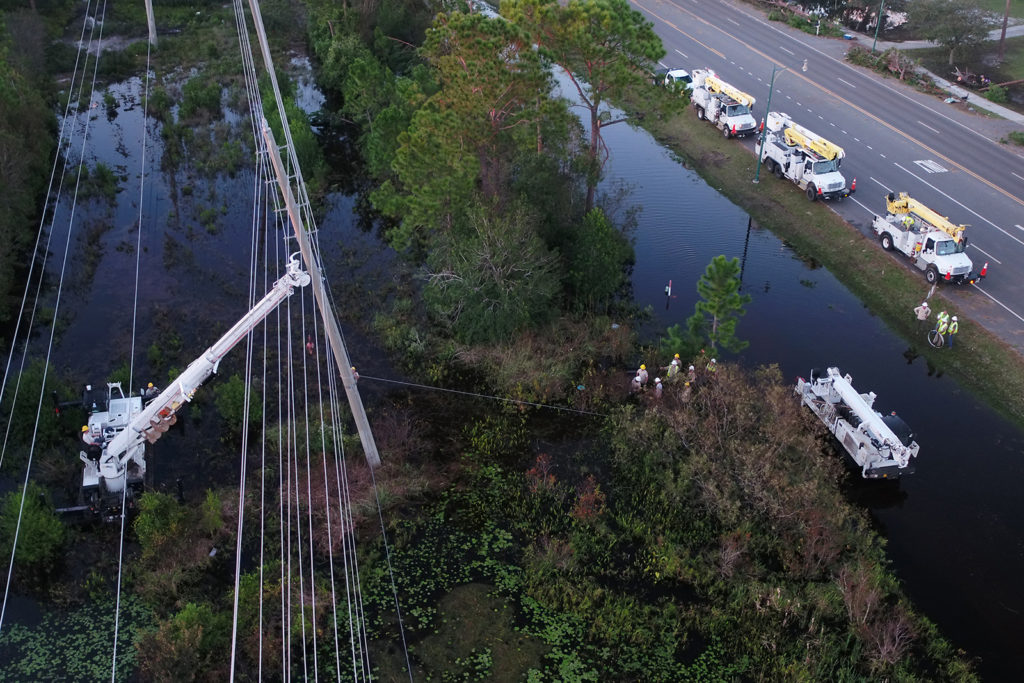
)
(722, 104)
(807, 159)
(929, 240)
(119, 426)
(881, 445)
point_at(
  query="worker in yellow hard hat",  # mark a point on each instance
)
(642, 374)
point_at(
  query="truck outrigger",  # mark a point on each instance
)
(882, 445)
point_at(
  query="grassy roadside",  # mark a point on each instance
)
(981, 362)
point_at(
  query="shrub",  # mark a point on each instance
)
(40, 533)
(997, 93)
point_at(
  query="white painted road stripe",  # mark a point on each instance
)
(1011, 311)
(847, 83)
(683, 54)
(1021, 177)
(986, 254)
(788, 51)
(929, 128)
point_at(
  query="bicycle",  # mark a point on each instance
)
(935, 338)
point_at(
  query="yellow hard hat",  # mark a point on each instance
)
(353, 368)
(643, 367)
(677, 355)
(85, 428)
(149, 386)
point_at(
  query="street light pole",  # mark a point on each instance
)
(878, 24)
(767, 109)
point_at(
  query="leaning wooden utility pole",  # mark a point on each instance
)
(152, 22)
(323, 302)
(348, 380)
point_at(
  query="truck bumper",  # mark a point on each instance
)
(890, 472)
(837, 194)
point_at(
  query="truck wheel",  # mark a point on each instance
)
(769, 163)
(812, 193)
(886, 241)
(779, 173)
(726, 132)
(700, 112)
(931, 275)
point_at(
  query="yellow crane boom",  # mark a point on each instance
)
(796, 135)
(716, 84)
(903, 204)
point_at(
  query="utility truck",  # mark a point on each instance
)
(722, 104)
(928, 239)
(119, 426)
(791, 151)
(881, 445)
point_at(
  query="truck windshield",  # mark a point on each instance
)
(737, 110)
(826, 166)
(947, 247)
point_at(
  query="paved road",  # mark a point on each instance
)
(895, 138)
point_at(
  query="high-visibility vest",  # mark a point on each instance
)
(954, 327)
(942, 326)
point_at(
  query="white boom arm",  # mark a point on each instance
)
(159, 415)
(870, 420)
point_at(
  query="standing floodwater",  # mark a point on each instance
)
(955, 528)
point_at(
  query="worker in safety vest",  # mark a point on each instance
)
(941, 318)
(908, 222)
(712, 366)
(942, 326)
(673, 368)
(953, 328)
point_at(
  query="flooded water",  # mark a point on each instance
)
(956, 527)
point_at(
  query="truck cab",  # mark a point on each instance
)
(811, 162)
(721, 104)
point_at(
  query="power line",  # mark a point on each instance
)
(487, 396)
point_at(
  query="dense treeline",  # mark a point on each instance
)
(27, 141)
(488, 179)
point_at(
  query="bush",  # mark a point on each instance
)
(40, 534)
(1017, 137)
(997, 93)
(198, 97)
